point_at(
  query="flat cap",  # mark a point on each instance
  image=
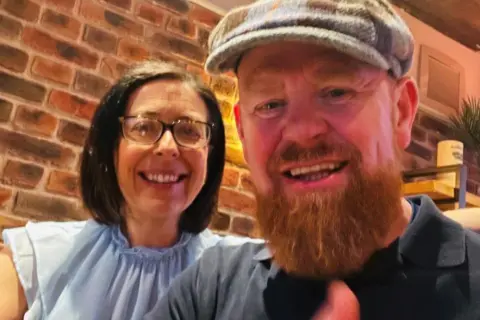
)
(368, 30)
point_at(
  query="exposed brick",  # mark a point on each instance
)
(180, 6)
(203, 15)
(51, 70)
(471, 157)
(182, 27)
(433, 140)
(30, 148)
(220, 221)
(72, 132)
(246, 183)
(65, 183)
(33, 120)
(431, 123)
(162, 55)
(237, 201)
(132, 51)
(473, 187)
(203, 35)
(178, 46)
(72, 104)
(112, 68)
(97, 13)
(100, 39)
(5, 195)
(243, 226)
(45, 43)
(43, 207)
(230, 177)
(418, 134)
(6, 108)
(13, 58)
(420, 151)
(61, 23)
(25, 175)
(123, 4)
(150, 13)
(91, 84)
(9, 28)
(21, 88)
(61, 4)
(224, 86)
(474, 173)
(23, 9)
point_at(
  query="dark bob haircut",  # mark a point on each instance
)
(99, 185)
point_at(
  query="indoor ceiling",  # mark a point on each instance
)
(458, 19)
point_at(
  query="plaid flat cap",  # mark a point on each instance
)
(368, 30)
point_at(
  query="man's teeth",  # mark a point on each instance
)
(323, 168)
(162, 178)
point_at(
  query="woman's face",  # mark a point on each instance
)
(159, 178)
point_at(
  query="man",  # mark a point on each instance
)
(325, 111)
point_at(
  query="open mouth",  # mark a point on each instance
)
(315, 172)
(162, 178)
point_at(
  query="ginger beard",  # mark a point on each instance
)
(330, 234)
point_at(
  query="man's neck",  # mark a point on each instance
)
(400, 225)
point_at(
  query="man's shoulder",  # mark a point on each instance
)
(230, 259)
(472, 242)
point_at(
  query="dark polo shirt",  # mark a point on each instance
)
(431, 272)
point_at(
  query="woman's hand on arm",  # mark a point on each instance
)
(13, 303)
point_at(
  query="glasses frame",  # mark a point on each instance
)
(168, 126)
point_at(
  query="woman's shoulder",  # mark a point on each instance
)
(40, 230)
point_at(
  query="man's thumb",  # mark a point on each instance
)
(341, 304)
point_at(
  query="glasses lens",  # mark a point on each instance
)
(142, 130)
(192, 134)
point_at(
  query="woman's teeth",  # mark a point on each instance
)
(162, 178)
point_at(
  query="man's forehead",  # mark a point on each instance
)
(272, 61)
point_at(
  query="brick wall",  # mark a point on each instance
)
(57, 58)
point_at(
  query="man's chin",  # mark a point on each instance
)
(331, 234)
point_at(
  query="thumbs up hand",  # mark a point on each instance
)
(341, 304)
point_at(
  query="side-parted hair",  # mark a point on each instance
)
(100, 191)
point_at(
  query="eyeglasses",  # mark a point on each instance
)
(186, 133)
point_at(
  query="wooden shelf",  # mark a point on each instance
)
(438, 190)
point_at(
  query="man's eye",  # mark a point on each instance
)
(337, 95)
(269, 106)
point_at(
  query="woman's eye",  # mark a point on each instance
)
(142, 128)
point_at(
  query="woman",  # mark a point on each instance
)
(150, 174)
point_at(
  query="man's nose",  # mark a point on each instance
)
(304, 124)
(167, 146)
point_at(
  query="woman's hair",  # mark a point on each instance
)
(100, 191)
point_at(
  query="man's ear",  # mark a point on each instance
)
(238, 121)
(406, 97)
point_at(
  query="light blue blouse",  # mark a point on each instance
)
(86, 270)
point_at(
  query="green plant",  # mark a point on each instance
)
(465, 126)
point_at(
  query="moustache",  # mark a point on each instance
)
(296, 153)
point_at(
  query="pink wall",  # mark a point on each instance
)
(469, 59)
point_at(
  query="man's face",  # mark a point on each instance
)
(322, 134)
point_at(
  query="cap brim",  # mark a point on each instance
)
(224, 58)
